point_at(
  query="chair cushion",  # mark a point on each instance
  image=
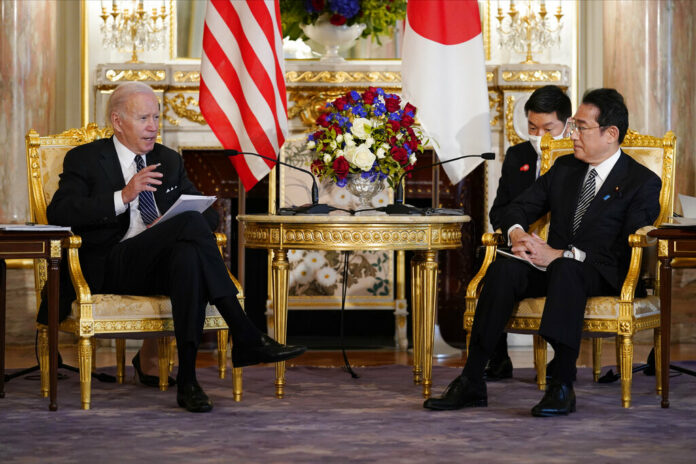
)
(599, 307)
(119, 307)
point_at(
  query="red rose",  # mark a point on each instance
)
(392, 140)
(341, 167)
(318, 135)
(340, 103)
(413, 143)
(409, 108)
(392, 104)
(400, 155)
(317, 166)
(407, 170)
(349, 97)
(369, 95)
(406, 120)
(394, 125)
(336, 128)
(337, 20)
(323, 120)
(318, 5)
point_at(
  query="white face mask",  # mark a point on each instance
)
(536, 141)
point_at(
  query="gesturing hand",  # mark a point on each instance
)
(146, 179)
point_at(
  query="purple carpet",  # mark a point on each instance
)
(328, 417)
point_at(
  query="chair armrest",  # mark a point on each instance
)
(637, 242)
(491, 241)
(82, 291)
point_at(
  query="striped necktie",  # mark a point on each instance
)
(146, 200)
(586, 196)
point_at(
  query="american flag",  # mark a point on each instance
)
(242, 90)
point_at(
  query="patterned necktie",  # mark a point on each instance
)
(586, 196)
(146, 200)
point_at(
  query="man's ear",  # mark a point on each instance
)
(613, 133)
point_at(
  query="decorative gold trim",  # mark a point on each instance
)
(341, 77)
(55, 249)
(663, 248)
(187, 76)
(512, 136)
(538, 75)
(84, 64)
(490, 78)
(495, 106)
(487, 30)
(180, 105)
(118, 75)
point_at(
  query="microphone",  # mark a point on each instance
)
(400, 208)
(314, 208)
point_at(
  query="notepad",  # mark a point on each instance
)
(514, 256)
(188, 203)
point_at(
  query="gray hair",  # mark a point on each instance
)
(122, 94)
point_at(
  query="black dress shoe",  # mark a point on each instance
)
(192, 398)
(559, 400)
(461, 393)
(498, 370)
(266, 350)
(145, 379)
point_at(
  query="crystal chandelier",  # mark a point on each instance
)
(534, 31)
(125, 28)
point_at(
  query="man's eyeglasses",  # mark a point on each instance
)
(572, 126)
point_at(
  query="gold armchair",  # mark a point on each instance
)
(103, 315)
(621, 316)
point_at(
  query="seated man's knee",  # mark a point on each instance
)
(565, 266)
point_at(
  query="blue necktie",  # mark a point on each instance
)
(146, 200)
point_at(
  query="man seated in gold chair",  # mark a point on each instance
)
(596, 198)
(112, 193)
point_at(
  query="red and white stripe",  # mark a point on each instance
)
(242, 90)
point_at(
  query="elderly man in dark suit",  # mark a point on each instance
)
(112, 192)
(597, 198)
(547, 110)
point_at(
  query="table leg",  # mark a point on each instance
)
(53, 297)
(3, 281)
(665, 324)
(429, 273)
(280, 268)
(417, 317)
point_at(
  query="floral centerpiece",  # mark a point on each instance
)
(365, 134)
(379, 16)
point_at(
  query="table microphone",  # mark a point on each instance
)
(398, 207)
(314, 208)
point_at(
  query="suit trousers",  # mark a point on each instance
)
(566, 283)
(178, 258)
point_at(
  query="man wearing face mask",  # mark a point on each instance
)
(547, 110)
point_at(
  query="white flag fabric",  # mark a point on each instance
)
(444, 76)
(242, 91)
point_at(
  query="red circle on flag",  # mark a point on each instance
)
(448, 22)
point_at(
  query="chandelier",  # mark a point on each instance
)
(534, 31)
(129, 26)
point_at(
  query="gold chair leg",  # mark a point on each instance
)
(84, 356)
(172, 353)
(43, 360)
(222, 336)
(657, 337)
(540, 361)
(163, 345)
(626, 369)
(617, 347)
(596, 358)
(237, 383)
(120, 359)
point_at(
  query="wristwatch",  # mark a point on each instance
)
(568, 254)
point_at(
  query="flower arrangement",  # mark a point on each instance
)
(379, 16)
(367, 134)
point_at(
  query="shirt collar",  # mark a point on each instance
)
(125, 155)
(604, 168)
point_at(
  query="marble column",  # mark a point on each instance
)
(28, 45)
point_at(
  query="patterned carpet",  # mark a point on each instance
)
(328, 417)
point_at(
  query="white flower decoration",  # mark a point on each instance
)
(381, 153)
(302, 274)
(341, 197)
(363, 158)
(295, 256)
(412, 158)
(339, 138)
(327, 276)
(314, 260)
(327, 158)
(311, 144)
(361, 128)
(381, 199)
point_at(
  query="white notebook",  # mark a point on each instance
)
(188, 203)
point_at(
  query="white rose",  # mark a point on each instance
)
(361, 128)
(311, 144)
(381, 153)
(349, 141)
(339, 138)
(333, 145)
(327, 158)
(369, 141)
(412, 159)
(385, 146)
(349, 152)
(363, 158)
(338, 153)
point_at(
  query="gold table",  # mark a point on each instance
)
(423, 234)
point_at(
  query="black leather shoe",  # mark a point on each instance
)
(266, 351)
(559, 400)
(192, 398)
(145, 379)
(498, 370)
(461, 393)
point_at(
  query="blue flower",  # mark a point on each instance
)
(347, 8)
(342, 182)
(380, 91)
(359, 111)
(355, 95)
(310, 137)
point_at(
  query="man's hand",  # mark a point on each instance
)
(533, 248)
(146, 179)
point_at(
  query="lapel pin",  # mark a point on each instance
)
(606, 197)
(524, 168)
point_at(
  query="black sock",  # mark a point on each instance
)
(243, 331)
(187, 363)
(564, 363)
(475, 363)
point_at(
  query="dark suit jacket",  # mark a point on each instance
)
(627, 201)
(515, 179)
(85, 201)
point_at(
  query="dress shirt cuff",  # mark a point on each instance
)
(516, 226)
(119, 207)
(578, 254)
